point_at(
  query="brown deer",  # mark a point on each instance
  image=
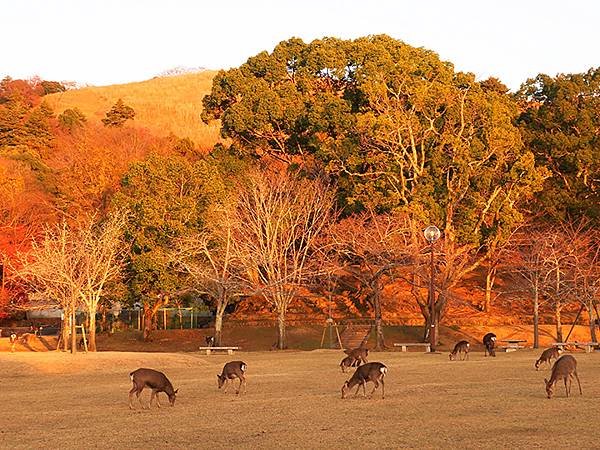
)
(459, 348)
(547, 356)
(564, 367)
(231, 370)
(489, 342)
(349, 361)
(359, 353)
(155, 380)
(374, 371)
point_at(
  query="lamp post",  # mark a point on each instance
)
(432, 234)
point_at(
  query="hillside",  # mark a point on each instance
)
(164, 105)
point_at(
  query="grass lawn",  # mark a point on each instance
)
(55, 400)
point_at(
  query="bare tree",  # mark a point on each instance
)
(585, 269)
(70, 267)
(211, 261)
(528, 262)
(370, 246)
(101, 248)
(49, 273)
(278, 221)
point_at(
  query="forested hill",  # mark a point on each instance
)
(164, 105)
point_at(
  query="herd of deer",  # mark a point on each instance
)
(564, 368)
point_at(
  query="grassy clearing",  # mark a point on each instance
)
(293, 400)
(163, 105)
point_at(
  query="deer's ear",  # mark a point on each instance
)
(176, 391)
(545, 381)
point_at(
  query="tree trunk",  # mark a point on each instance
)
(490, 279)
(92, 331)
(281, 336)
(536, 320)
(73, 330)
(218, 327)
(379, 342)
(557, 308)
(65, 330)
(590, 307)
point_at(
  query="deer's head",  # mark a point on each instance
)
(172, 397)
(549, 388)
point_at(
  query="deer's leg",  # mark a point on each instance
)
(578, 382)
(157, 402)
(140, 398)
(133, 389)
(382, 388)
(357, 389)
(376, 383)
(240, 385)
(152, 394)
(245, 386)
(566, 387)
(225, 385)
(364, 385)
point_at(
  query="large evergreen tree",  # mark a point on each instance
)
(560, 123)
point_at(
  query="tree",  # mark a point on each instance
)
(118, 114)
(278, 221)
(168, 198)
(371, 246)
(71, 119)
(49, 272)
(396, 128)
(528, 262)
(209, 257)
(101, 251)
(560, 125)
(71, 266)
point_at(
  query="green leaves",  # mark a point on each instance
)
(118, 114)
(560, 124)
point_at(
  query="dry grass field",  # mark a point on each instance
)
(163, 105)
(55, 400)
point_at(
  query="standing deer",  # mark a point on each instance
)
(489, 342)
(231, 370)
(374, 371)
(547, 356)
(359, 353)
(155, 380)
(564, 367)
(459, 348)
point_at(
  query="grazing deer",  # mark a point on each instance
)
(210, 341)
(349, 361)
(374, 371)
(155, 380)
(459, 348)
(547, 356)
(564, 367)
(359, 354)
(489, 342)
(231, 370)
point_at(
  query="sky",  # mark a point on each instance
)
(104, 42)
